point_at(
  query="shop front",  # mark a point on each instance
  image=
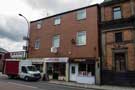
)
(57, 68)
(82, 71)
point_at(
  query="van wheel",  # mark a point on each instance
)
(26, 78)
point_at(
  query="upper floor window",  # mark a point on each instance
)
(37, 44)
(118, 37)
(81, 14)
(39, 24)
(57, 20)
(117, 13)
(81, 38)
(56, 41)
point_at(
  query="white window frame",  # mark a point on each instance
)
(115, 11)
(37, 44)
(39, 25)
(57, 20)
(54, 42)
(77, 38)
(81, 14)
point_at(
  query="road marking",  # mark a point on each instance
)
(23, 85)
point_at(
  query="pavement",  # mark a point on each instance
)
(97, 87)
(16, 84)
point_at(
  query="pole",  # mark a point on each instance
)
(27, 44)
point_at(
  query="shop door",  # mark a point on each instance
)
(73, 72)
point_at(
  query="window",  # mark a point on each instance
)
(86, 69)
(117, 13)
(81, 14)
(37, 44)
(39, 24)
(81, 38)
(56, 41)
(118, 37)
(57, 20)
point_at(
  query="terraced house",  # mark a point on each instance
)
(66, 45)
(118, 41)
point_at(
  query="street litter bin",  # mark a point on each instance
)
(45, 77)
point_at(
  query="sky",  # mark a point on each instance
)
(14, 27)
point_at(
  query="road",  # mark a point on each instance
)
(12, 84)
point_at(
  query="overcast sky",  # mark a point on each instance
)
(13, 27)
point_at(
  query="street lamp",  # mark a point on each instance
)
(27, 42)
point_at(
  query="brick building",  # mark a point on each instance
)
(118, 41)
(66, 45)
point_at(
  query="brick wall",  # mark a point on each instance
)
(67, 30)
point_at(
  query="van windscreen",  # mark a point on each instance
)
(32, 68)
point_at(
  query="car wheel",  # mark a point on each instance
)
(26, 78)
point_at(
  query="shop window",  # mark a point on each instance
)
(87, 69)
(49, 68)
(58, 68)
(91, 68)
(39, 67)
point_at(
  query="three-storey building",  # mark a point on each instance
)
(67, 44)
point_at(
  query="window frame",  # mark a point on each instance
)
(77, 37)
(37, 42)
(39, 23)
(79, 12)
(53, 41)
(122, 37)
(55, 20)
(113, 12)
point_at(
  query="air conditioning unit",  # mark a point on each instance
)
(54, 49)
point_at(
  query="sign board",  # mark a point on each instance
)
(56, 59)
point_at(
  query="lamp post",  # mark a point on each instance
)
(27, 42)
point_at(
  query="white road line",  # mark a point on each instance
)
(23, 85)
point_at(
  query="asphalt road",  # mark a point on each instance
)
(12, 84)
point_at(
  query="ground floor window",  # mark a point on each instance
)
(58, 68)
(86, 69)
(39, 67)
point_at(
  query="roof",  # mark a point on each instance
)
(65, 12)
(3, 50)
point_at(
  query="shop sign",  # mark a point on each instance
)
(79, 60)
(56, 59)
